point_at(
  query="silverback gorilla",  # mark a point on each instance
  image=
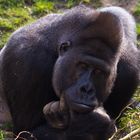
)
(68, 76)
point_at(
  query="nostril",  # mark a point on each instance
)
(83, 89)
(86, 89)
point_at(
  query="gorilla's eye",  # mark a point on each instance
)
(97, 71)
(83, 66)
(64, 47)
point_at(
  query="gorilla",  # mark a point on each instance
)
(68, 76)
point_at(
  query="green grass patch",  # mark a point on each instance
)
(131, 119)
(138, 29)
(5, 4)
(5, 25)
(12, 17)
(4, 37)
(16, 13)
(137, 10)
(2, 135)
(42, 7)
(138, 34)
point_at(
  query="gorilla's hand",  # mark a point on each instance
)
(56, 114)
(96, 124)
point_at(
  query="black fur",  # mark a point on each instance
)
(27, 67)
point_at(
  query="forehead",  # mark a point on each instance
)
(87, 45)
(92, 47)
(77, 28)
(74, 21)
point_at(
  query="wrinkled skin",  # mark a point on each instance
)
(68, 76)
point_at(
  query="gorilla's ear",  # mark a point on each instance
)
(107, 27)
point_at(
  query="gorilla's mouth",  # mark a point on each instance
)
(81, 107)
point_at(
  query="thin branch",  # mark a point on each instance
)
(131, 134)
(24, 132)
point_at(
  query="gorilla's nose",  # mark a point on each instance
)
(86, 88)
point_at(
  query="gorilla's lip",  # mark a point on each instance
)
(81, 107)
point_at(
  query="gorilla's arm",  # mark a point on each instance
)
(94, 125)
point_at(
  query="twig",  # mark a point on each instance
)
(111, 138)
(131, 134)
(24, 132)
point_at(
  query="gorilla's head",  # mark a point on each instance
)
(85, 70)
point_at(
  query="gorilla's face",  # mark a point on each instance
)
(83, 74)
(85, 70)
